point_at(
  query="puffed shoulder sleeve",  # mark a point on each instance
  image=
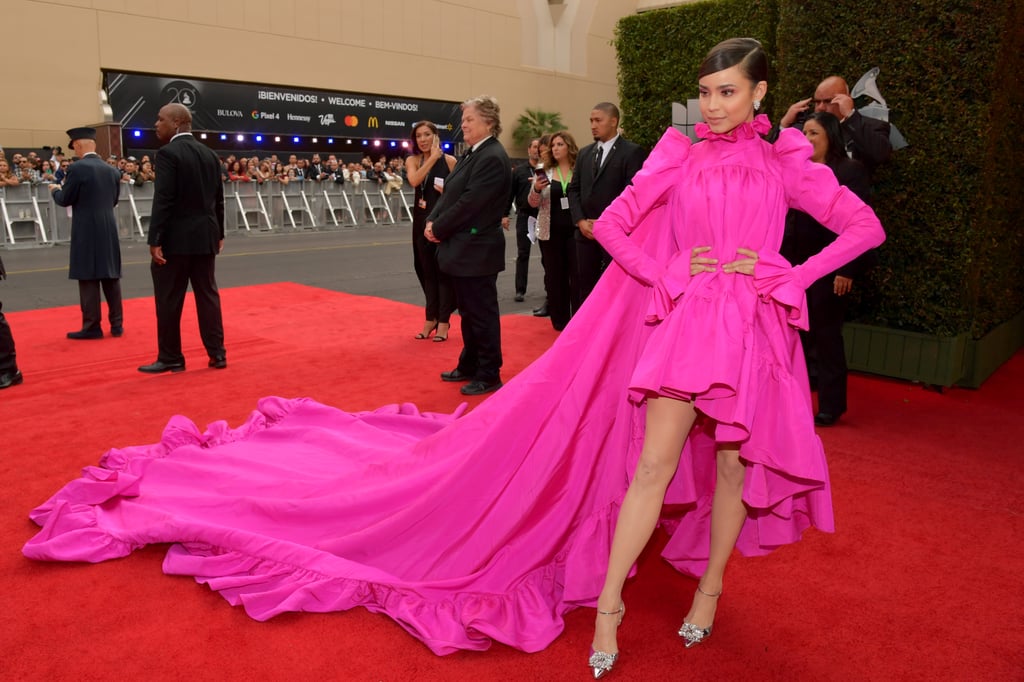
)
(651, 188)
(813, 188)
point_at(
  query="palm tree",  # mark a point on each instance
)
(535, 123)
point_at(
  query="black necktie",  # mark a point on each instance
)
(466, 155)
(597, 159)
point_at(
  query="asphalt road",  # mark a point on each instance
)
(372, 261)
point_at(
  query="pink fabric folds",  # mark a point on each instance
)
(491, 525)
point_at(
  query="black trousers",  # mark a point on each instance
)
(436, 285)
(591, 262)
(823, 345)
(477, 298)
(561, 282)
(8, 361)
(89, 297)
(523, 244)
(170, 282)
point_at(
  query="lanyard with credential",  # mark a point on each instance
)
(564, 182)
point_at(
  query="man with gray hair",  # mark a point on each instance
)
(466, 224)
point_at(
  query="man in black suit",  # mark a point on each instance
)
(866, 138)
(9, 374)
(466, 226)
(186, 232)
(522, 185)
(91, 188)
(603, 170)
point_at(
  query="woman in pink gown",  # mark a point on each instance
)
(468, 528)
(723, 359)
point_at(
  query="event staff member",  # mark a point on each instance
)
(186, 232)
(9, 374)
(603, 170)
(91, 188)
(466, 225)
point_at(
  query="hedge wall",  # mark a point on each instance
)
(951, 73)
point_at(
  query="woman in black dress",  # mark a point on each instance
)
(426, 172)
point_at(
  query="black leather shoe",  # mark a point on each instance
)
(9, 379)
(86, 334)
(456, 375)
(825, 419)
(219, 362)
(159, 367)
(480, 387)
(520, 296)
(541, 311)
(117, 331)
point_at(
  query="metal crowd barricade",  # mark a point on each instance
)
(140, 199)
(22, 214)
(336, 202)
(378, 202)
(289, 201)
(406, 209)
(248, 207)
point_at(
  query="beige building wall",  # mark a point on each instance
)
(527, 53)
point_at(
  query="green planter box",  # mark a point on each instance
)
(930, 359)
(926, 358)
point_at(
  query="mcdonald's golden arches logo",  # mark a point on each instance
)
(373, 122)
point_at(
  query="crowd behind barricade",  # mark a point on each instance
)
(386, 174)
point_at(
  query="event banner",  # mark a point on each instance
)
(220, 106)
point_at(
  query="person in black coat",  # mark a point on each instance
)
(864, 139)
(827, 297)
(522, 185)
(466, 226)
(9, 374)
(603, 170)
(91, 188)
(186, 232)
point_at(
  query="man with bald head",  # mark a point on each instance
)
(186, 232)
(867, 139)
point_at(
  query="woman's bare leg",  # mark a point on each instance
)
(668, 423)
(727, 516)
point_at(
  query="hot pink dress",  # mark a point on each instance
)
(493, 524)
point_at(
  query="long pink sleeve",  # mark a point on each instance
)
(650, 189)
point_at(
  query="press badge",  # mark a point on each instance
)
(565, 203)
(422, 203)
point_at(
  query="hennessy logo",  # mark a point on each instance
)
(327, 119)
(373, 122)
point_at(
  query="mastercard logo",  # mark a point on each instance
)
(351, 121)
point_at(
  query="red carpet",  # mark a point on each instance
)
(922, 579)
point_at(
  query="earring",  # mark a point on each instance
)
(757, 104)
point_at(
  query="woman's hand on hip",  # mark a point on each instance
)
(743, 266)
(699, 263)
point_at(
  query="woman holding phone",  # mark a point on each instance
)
(426, 172)
(555, 227)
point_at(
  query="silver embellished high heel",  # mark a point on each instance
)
(601, 662)
(694, 634)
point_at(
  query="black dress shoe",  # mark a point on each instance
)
(477, 387)
(520, 296)
(86, 334)
(8, 379)
(825, 419)
(219, 362)
(541, 311)
(117, 331)
(159, 367)
(456, 375)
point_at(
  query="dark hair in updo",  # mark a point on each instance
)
(833, 132)
(745, 52)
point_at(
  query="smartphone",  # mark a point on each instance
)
(540, 173)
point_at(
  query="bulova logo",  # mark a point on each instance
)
(230, 113)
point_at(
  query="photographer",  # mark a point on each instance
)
(866, 139)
